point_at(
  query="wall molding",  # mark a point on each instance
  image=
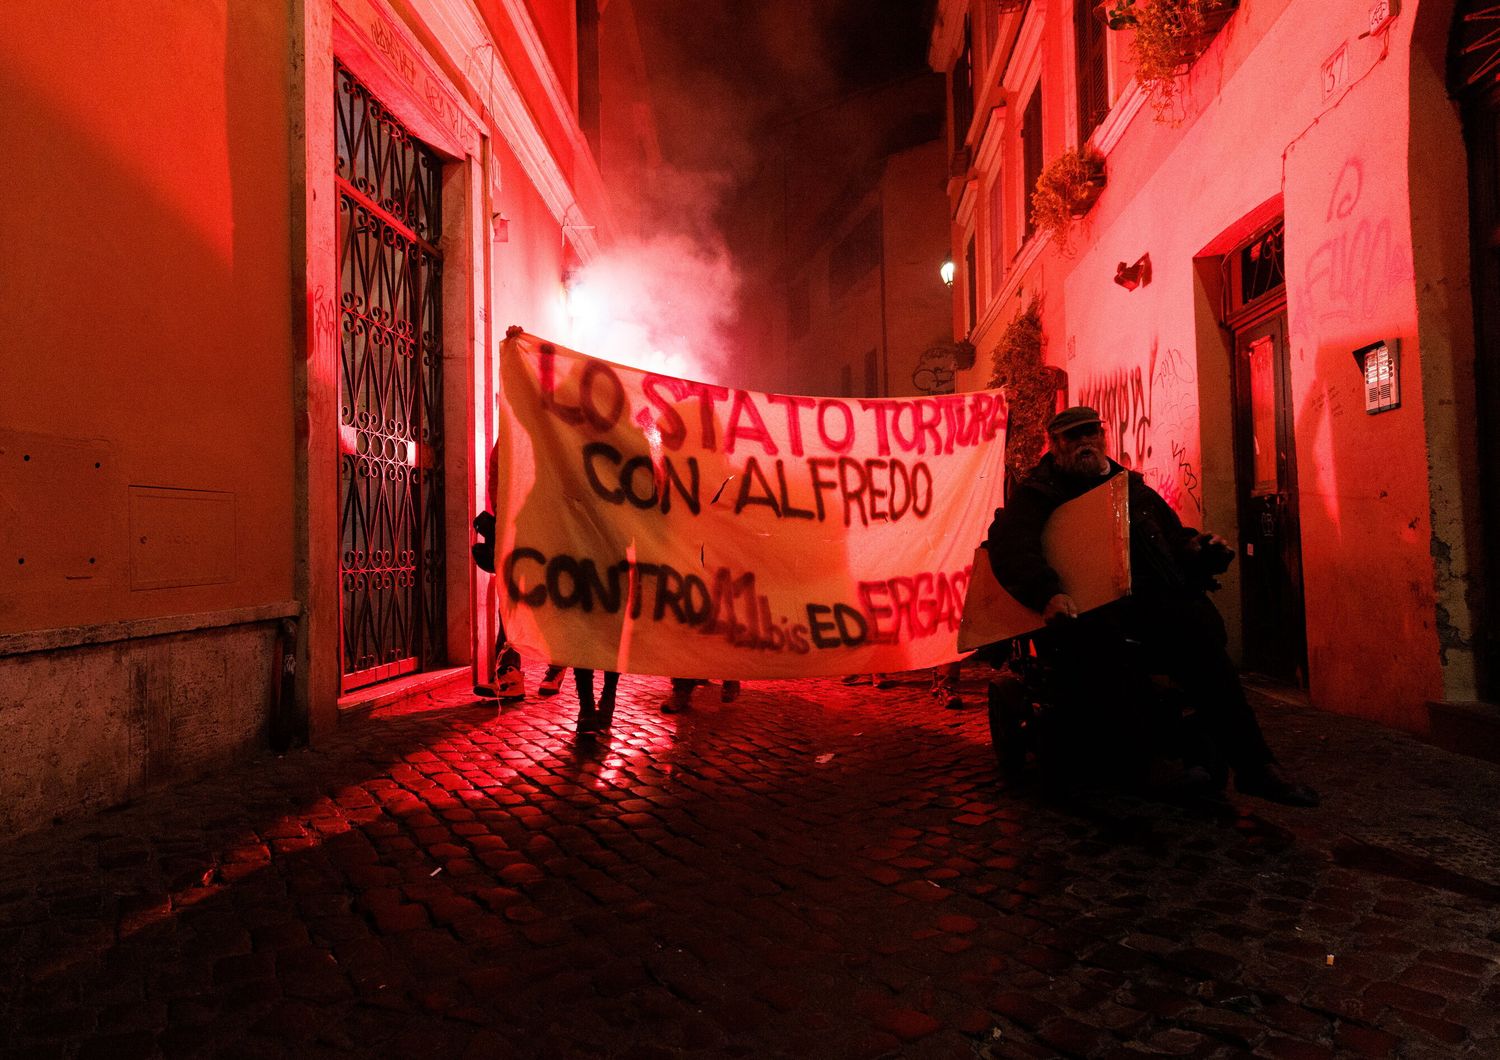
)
(1112, 128)
(137, 628)
(461, 31)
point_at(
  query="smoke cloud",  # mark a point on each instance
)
(723, 78)
(663, 304)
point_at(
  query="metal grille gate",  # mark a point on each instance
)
(391, 611)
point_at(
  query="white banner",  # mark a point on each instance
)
(657, 525)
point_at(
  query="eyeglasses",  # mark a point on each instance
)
(1083, 430)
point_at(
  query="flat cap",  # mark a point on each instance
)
(1067, 419)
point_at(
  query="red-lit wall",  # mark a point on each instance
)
(145, 309)
(169, 420)
(1255, 134)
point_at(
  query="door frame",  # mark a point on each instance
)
(1272, 309)
(439, 114)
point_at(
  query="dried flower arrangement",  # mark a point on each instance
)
(1019, 349)
(1031, 389)
(1064, 192)
(1169, 35)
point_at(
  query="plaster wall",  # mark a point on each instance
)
(900, 307)
(529, 266)
(128, 715)
(841, 330)
(916, 244)
(146, 318)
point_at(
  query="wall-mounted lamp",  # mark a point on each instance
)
(1132, 276)
(946, 272)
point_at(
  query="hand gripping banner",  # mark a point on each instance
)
(656, 525)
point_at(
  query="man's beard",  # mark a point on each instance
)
(1085, 463)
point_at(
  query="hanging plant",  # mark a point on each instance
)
(1169, 35)
(1018, 353)
(1031, 388)
(1065, 191)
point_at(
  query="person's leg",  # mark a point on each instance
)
(682, 695)
(945, 686)
(606, 715)
(510, 679)
(1201, 667)
(1212, 686)
(583, 681)
(1189, 641)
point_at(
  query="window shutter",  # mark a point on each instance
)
(962, 86)
(1092, 53)
(1031, 150)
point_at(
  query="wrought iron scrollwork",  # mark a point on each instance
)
(390, 392)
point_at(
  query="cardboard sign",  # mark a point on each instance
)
(657, 525)
(1086, 540)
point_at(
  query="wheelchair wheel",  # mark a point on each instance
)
(1011, 716)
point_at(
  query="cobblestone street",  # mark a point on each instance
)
(814, 870)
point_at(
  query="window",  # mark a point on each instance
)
(996, 232)
(1256, 272)
(588, 71)
(854, 256)
(963, 90)
(1262, 265)
(1092, 56)
(1031, 151)
(973, 285)
(991, 29)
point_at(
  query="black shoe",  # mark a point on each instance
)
(1269, 783)
(552, 681)
(947, 694)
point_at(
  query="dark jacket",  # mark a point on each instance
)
(1163, 562)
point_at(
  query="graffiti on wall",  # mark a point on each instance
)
(1150, 413)
(1352, 274)
(935, 369)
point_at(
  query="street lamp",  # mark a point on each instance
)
(946, 272)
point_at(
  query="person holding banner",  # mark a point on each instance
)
(681, 698)
(657, 525)
(594, 717)
(506, 681)
(1168, 612)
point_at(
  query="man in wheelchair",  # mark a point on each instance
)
(1133, 667)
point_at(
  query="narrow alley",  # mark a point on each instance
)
(814, 870)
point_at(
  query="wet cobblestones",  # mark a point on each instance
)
(816, 870)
